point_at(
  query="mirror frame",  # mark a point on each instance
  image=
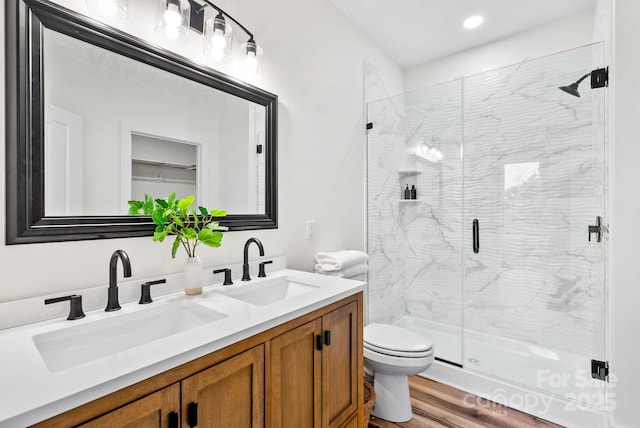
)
(25, 217)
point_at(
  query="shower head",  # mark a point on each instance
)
(573, 88)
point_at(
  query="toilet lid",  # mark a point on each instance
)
(385, 337)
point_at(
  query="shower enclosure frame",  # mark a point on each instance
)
(380, 229)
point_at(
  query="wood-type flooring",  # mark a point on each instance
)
(436, 405)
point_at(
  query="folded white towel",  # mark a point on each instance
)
(343, 273)
(337, 260)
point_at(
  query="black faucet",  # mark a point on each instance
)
(112, 302)
(245, 264)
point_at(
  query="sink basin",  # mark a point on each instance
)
(68, 347)
(269, 291)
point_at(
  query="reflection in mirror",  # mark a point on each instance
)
(159, 167)
(82, 96)
(114, 123)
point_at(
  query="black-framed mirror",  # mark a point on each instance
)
(38, 32)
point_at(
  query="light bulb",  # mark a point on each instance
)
(172, 15)
(218, 41)
(108, 7)
(251, 63)
(172, 32)
(473, 22)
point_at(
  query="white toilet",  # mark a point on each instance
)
(392, 353)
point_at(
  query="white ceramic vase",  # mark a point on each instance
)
(193, 276)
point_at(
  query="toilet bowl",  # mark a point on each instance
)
(392, 353)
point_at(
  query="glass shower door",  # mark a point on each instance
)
(534, 184)
(415, 245)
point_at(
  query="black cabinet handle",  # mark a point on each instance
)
(192, 415)
(319, 343)
(327, 337)
(173, 420)
(476, 236)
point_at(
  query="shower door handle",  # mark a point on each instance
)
(597, 229)
(476, 236)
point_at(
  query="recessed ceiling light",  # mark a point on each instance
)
(473, 21)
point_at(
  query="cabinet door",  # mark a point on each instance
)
(340, 365)
(229, 394)
(152, 411)
(294, 378)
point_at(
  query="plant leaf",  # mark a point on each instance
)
(158, 218)
(203, 211)
(216, 226)
(135, 207)
(174, 248)
(195, 220)
(189, 233)
(210, 238)
(218, 213)
(147, 207)
(159, 236)
(171, 199)
(185, 203)
(162, 203)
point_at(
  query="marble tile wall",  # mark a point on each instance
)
(510, 149)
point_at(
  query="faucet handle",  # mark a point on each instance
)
(227, 275)
(261, 272)
(75, 307)
(145, 291)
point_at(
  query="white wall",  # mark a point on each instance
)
(625, 213)
(313, 62)
(568, 33)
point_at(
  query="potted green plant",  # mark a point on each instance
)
(191, 229)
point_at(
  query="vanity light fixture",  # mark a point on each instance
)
(218, 38)
(172, 19)
(109, 8)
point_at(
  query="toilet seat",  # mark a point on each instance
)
(396, 341)
(396, 353)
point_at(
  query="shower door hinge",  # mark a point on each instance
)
(369, 125)
(600, 370)
(600, 78)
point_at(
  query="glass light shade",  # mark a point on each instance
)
(251, 64)
(218, 39)
(109, 8)
(172, 19)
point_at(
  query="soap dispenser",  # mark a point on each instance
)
(414, 193)
(407, 193)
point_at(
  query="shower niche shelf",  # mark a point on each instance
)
(407, 177)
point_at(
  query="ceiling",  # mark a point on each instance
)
(413, 32)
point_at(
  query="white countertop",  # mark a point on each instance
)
(30, 393)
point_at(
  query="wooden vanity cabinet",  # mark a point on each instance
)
(306, 372)
(229, 394)
(312, 372)
(153, 411)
